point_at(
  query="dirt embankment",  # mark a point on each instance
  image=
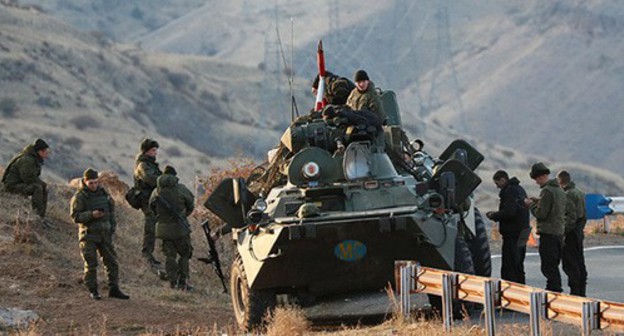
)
(42, 271)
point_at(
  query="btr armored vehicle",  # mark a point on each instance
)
(339, 202)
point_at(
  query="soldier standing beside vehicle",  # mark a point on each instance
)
(337, 89)
(513, 218)
(146, 172)
(22, 176)
(549, 210)
(93, 210)
(573, 259)
(365, 97)
(173, 202)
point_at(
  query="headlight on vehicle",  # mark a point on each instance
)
(260, 204)
(311, 170)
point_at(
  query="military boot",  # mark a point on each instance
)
(93, 293)
(115, 292)
(184, 286)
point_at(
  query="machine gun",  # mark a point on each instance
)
(213, 257)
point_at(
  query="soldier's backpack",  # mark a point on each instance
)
(135, 198)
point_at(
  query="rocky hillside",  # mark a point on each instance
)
(540, 77)
(94, 100)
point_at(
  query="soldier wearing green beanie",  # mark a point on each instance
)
(93, 210)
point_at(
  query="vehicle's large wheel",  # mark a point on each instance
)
(250, 306)
(479, 247)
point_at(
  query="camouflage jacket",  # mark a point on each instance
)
(575, 217)
(82, 206)
(337, 89)
(550, 209)
(23, 168)
(146, 172)
(367, 100)
(169, 226)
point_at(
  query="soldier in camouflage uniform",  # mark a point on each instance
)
(572, 258)
(549, 210)
(146, 172)
(93, 210)
(365, 97)
(337, 89)
(173, 202)
(22, 176)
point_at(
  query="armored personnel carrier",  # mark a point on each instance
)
(339, 202)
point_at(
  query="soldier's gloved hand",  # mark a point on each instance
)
(97, 214)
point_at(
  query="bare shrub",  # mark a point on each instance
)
(287, 321)
(178, 80)
(9, 107)
(84, 122)
(74, 143)
(173, 151)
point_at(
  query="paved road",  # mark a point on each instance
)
(606, 279)
(605, 265)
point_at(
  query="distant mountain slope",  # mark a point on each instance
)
(541, 77)
(94, 100)
(546, 81)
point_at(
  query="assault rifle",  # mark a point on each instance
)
(213, 257)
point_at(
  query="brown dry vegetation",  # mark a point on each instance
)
(42, 271)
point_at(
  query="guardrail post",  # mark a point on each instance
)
(407, 276)
(448, 294)
(590, 317)
(537, 312)
(489, 292)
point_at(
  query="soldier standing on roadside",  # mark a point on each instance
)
(549, 210)
(513, 220)
(573, 259)
(93, 210)
(22, 176)
(146, 172)
(173, 202)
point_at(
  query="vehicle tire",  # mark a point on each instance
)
(479, 247)
(250, 306)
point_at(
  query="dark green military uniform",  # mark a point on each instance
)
(22, 176)
(573, 259)
(550, 209)
(146, 172)
(549, 212)
(95, 234)
(367, 100)
(175, 235)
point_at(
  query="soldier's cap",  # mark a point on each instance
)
(169, 170)
(39, 144)
(148, 144)
(360, 75)
(539, 169)
(315, 82)
(90, 174)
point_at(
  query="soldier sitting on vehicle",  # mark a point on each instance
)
(365, 97)
(337, 89)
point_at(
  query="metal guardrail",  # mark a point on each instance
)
(586, 313)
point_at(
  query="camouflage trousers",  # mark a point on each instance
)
(89, 250)
(177, 253)
(38, 193)
(149, 232)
